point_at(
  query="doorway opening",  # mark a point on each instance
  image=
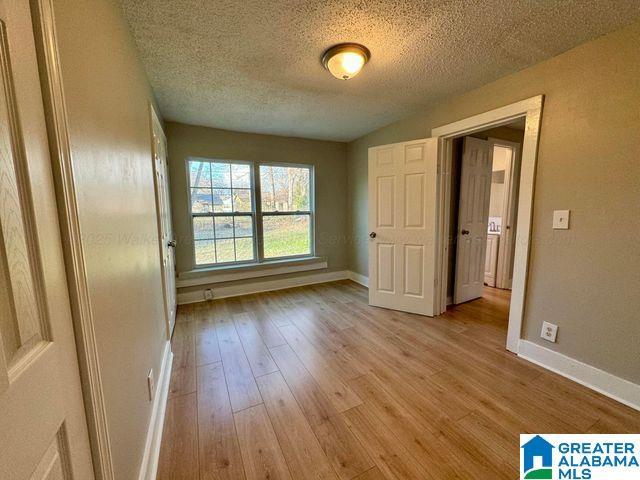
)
(485, 174)
(530, 110)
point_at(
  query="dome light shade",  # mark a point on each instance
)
(345, 60)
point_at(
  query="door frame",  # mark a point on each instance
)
(531, 110)
(509, 208)
(60, 149)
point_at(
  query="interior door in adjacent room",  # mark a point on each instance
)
(510, 152)
(402, 225)
(165, 228)
(43, 429)
(473, 218)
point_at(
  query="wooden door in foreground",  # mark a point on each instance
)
(43, 432)
(402, 221)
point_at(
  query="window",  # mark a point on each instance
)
(286, 210)
(241, 217)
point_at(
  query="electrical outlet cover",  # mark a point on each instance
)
(208, 294)
(549, 331)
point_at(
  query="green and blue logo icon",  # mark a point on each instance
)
(537, 459)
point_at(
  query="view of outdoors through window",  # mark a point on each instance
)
(222, 212)
(224, 217)
(286, 212)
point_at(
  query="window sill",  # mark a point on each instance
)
(211, 275)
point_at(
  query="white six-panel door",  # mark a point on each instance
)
(43, 430)
(473, 217)
(402, 221)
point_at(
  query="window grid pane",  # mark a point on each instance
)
(221, 200)
(200, 174)
(205, 252)
(221, 175)
(201, 200)
(225, 251)
(203, 228)
(285, 189)
(241, 200)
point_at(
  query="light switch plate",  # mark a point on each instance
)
(561, 219)
(549, 331)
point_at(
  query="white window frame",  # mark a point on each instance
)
(256, 214)
(260, 215)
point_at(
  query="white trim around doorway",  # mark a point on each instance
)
(531, 110)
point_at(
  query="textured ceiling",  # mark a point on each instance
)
(254, 66)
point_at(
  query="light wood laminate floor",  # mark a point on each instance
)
(312, 383)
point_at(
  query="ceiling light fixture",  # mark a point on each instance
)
(345, 60)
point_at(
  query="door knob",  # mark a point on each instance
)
(171, 243)
(372, 234)
(465, 232)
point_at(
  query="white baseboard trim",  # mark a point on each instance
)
(605, 383)
(358, 278)
(149, 466)
(262, 286)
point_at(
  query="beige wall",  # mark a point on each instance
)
(328, 159)
(585, 279)
(108, 107)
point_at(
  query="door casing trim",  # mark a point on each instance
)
(61, 159)
(531, 110)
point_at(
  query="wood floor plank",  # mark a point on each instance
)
(445, 452)
(219, 452)
(179, 447)
(263, 322)
(329, 380)
(494, 437)
(261, 453)
(348, 458)
(359, 392)
(207, 349)
(299, 445)
(243, 391)
(393, 460)
(618, 418)
(183, 371)
(257, 352)
(317, 327)
(373, 474)
(483, 398)
(420, 442)
(272, 303)
(413, 386)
